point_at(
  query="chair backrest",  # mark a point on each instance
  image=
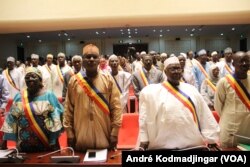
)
(129, 131)
(216, 116)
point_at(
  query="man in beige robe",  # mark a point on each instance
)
(234, 114)
(87, 125)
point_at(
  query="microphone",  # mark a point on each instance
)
(8, 156)
(240, 136)
(62, 158)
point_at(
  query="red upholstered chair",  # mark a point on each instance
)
(132, 101)
(216, 116)
(129, 131)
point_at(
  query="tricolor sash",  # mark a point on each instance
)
(202, 70)
(93, 93)
(60, 73)
(29, 110)
(143, 77)
(117, 84)
(240, 89)
(10, 80)
(184, 99)
(211, 85)
(228, 69)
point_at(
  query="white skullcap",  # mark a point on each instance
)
(112, 56)
(143, 53)
(171, 60)
(164, 55)
(214, 53)
(76, 57)
(184, 55)
(34, 56)
(228, 50)
(152, 52)
(172, 55)
(202, 52)
(61, 54)
(12, 59)
(49, 56)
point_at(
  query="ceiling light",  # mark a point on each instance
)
(193, 29)
(97, 32)
(200, 29)
(122, 33)
(104, 32)
(59, 34)
(128, 29)
(28, 36)
(136, 32)
(135, 29)
(21, 44)
(40, 40)
(130, 43)
(129, 32)
(121, 29)
(139, 41)
(191, 35)
(221, 34)
(233, 29)
(121, 41)
(168, 30)
(160, 35)
(160, 30)
(129, 36)
(241, 36)
(154, 30)
(65, 34)
(68, 39)
(186, 29)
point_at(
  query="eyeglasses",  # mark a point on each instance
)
(89, 56)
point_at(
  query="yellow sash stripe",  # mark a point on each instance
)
(202, 70)
(92, 94)
(10, 80)
(60, 73)
(143, 77)
(48, 68)
(228, 69)
(239, 91)
(211, 85)
(33, 124)
(182, 99)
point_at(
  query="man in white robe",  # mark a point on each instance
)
(166, 123)
(226, 65)
(122, 80)
(49, 74)
(13, 77)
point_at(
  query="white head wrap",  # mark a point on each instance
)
(34, 56)
(202, 52)
(143, 53)
(228, 50)
(171, 60)
(164, 55)
(49, 56)
(61, 54)
(112, 56)
(12, 59)
(76, 57)
(214, 53)
(184, 55)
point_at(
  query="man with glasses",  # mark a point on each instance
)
(93, 111)
(173, 114)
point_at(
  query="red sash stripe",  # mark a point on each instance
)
(211, 85)
(6, 72)
(182, 99)
(92, 94)
(143, 77)
(60, 73)
(243, 95)
(33, 124)
(202, 70)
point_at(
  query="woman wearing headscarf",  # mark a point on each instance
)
(34, 120)
(208, 86)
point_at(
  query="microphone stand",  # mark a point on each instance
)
(12, 158)
(63, 158)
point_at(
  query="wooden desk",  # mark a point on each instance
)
(32, 161)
